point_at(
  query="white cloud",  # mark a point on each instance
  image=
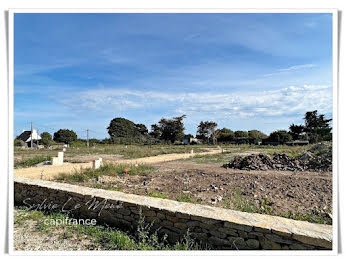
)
(293, 68)
(287, 101)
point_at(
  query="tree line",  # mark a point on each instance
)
(172, 130)
(316, 128)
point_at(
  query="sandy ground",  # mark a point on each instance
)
(49, 172)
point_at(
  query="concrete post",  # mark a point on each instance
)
(96, 164)
(55, 161)
(61, 157)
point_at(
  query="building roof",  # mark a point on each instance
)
(26, 135)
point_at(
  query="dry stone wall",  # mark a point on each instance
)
(221, 228)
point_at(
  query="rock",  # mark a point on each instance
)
(237, 242)
(253, 243)
(219, 241)
(267, 244)
(218, 234)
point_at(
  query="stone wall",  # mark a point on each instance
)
(221, 228)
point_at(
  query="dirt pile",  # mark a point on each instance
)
(318, 158)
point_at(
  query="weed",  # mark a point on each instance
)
(31, 161)
(157, 195)
(187, 198)
(108, 169)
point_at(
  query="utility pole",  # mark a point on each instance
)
(31, 143)
(87, 137)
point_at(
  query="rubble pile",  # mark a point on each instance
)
(318, 158)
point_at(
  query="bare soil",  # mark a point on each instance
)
(284, 191)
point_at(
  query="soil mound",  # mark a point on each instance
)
(317, 158)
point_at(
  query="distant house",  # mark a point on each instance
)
(26, 137)
(191, 140)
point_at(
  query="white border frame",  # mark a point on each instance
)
(334, 251)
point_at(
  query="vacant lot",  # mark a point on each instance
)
(202, 179)
(170, 172)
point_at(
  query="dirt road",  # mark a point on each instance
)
(50, 172)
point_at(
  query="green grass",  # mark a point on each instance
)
(31, 161)
(215, 158)
(108, 238)
(310, 217)
(236, 201)
(126, 151)
(187, 198)
(157, 195)
(108, 169)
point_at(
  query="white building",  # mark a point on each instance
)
(26, 137)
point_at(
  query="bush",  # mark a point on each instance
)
(78, 143)
(31, 162)
(46, 139)
(19, 143)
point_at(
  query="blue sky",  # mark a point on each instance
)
(244, 71)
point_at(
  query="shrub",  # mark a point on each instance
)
(19, 143)
(31, 162)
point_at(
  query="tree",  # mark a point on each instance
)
(317, 127)
(188, 136)
(224, 134)
(46, 138)
(279, 136)
(142, 129)
(65, 136)
(124, 130)
(206, 131)
(255, 136)
(296, 131)
(171, 129)
(155, 131)
(241, 134)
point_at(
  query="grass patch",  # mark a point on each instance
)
(236, 201)
(108, 169)
(108, 238)
(132, 151)
(186, 198)
(157, 195)
(213, 158)
(31, 161)
(313, 217)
